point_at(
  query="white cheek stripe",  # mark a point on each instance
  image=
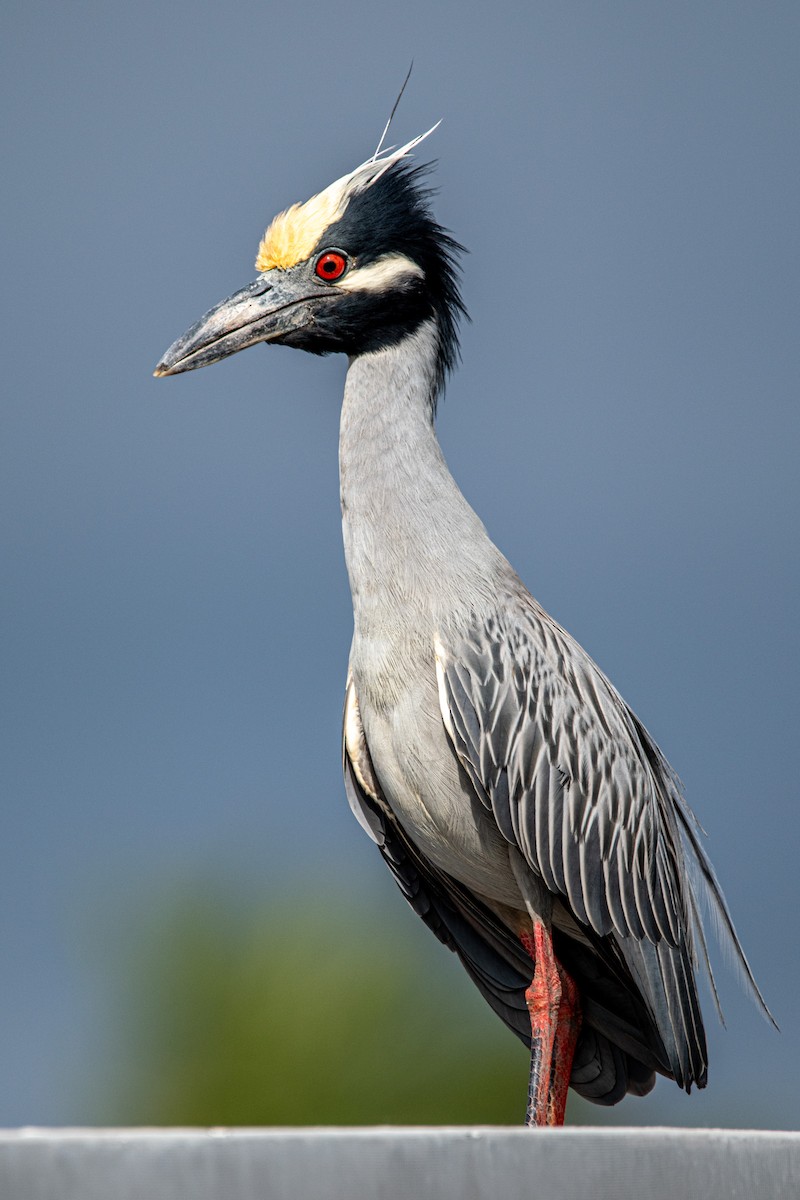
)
(381, 275)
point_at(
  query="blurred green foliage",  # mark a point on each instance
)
(303, 1014)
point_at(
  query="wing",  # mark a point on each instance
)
(613, 1054)
(576, 783)
(550, 750)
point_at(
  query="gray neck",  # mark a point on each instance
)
(410, 538)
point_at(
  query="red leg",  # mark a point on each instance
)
(552, 1000)
(543, 998)
(567, 1030)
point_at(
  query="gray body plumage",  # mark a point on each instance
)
(489, 731)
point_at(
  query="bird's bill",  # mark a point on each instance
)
(266, 310)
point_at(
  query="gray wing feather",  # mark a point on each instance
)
(574, 780)
(548, 746)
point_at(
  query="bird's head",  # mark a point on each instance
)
(356, 268)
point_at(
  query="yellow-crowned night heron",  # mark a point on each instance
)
(526, 813)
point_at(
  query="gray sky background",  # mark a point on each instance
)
(175, 610)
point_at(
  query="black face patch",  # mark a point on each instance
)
(359, 322)
(392, 217)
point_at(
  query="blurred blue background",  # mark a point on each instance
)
(175, 609)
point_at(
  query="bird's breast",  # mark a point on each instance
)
(419, 773)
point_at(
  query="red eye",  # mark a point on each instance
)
(331, 265)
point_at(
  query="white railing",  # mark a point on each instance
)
(408, 1164)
